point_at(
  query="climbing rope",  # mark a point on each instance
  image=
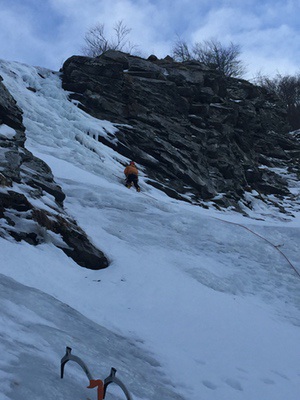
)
(254, 233)
(263, 238)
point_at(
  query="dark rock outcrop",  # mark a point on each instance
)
(196, 133)
(31, 203)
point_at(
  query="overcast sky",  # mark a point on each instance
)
(47, 32)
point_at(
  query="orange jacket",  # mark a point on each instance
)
(131, 169)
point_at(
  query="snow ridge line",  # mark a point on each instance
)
(263, 238)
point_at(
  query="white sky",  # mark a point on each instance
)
(47, 32)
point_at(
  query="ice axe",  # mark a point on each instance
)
(100, 384)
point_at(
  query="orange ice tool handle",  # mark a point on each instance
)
(99, 384)
(102, 387)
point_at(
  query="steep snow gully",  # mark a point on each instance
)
(193, 306)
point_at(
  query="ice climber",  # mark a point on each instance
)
(131, 172)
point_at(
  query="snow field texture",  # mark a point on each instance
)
(193, 305)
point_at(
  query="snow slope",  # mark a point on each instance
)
(196, 304)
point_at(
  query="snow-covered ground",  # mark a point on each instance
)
(196, 304)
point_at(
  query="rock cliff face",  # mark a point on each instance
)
(31, 203)
(197, 134)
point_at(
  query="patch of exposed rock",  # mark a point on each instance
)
(195, 132)
(31, 203)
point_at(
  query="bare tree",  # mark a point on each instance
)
(181, 51)
(212, 53)
(287, 89)
(97, 42)
(225, 58)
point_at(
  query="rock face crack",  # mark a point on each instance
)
(194, 130)
(23, 178)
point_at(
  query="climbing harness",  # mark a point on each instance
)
(100, 384)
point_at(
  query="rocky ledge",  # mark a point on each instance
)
(31, 203)
(199, 136)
